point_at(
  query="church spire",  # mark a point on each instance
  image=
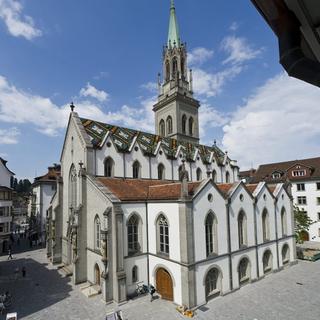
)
(173, 36)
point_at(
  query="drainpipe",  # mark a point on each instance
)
(228, 202)
(256, 234)
(276, 226)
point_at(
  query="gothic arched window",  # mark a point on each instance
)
(135, 276)
(227, 177)
(133, 235)
(167, 70)
(163, 235)
(162, 129)
(191, 124)
(242, 229)
(136, 170)
(161, 172)
(184, 124)
(243, 270)
(283, 222)
(265, 226)
(199, 174)
(109, 168)
(214, 176)
(285, 254)
(211, 234)
(212, 282)
(97, 232)
(174, 68)
(267, 261)
(169, 125)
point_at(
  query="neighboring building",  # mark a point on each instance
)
(5, 205)
(19, 211)
(43, 188)
(304, 175)
(297, 26)
(163, 209)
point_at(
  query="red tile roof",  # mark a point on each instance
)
(225, 188)
(52, 174)
(142, 190)
(251, 187)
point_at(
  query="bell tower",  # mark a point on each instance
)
(176, 112)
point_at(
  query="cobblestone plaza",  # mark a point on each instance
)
(45, 294)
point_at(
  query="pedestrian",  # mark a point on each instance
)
(9, 254)
(152, 290)
(24, 271)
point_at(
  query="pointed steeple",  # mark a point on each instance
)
(173, 36)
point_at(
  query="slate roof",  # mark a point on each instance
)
(144, 189)
(264, 172)
(149, 143)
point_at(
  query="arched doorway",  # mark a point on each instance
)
(304, 235)
(244, 271)
(97, 275)
(164, 284)
(267, 262)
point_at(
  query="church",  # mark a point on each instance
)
(134, 207)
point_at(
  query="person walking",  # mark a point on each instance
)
(152, 290)
(24, 271)
(9, 254)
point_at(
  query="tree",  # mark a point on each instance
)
(302, 223)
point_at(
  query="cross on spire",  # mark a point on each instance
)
(173, 36)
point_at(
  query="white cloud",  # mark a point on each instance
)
(210, 84)
(199, 56)
(18, 25)
(91, 91)
(9, 136)
(20, 107)
(280, 121)
(150, 86)
(234, 26)
(239, 50)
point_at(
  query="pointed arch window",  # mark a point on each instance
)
(133, 235)
(265, 226)
(135, 276)
(191, 124)
(211, 225)
(163, 235)
(184, 124)
(212, 282)
(214, 176)
(267, 261)
(244, 274)
(167, 70)
(162, 129)
(174, 68)
(136, 170)
(97, 233)
(199, 174)
(242, 229)
(109, 168)
(284, 222)
(161, 172)
(227, 177)
(169, 125)
(285, 254)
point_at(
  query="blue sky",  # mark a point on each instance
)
(105, 55)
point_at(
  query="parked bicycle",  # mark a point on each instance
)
(5, 302)
(141, 288)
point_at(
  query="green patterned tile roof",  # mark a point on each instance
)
(123, 138)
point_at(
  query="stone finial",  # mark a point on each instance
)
(72, 106)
